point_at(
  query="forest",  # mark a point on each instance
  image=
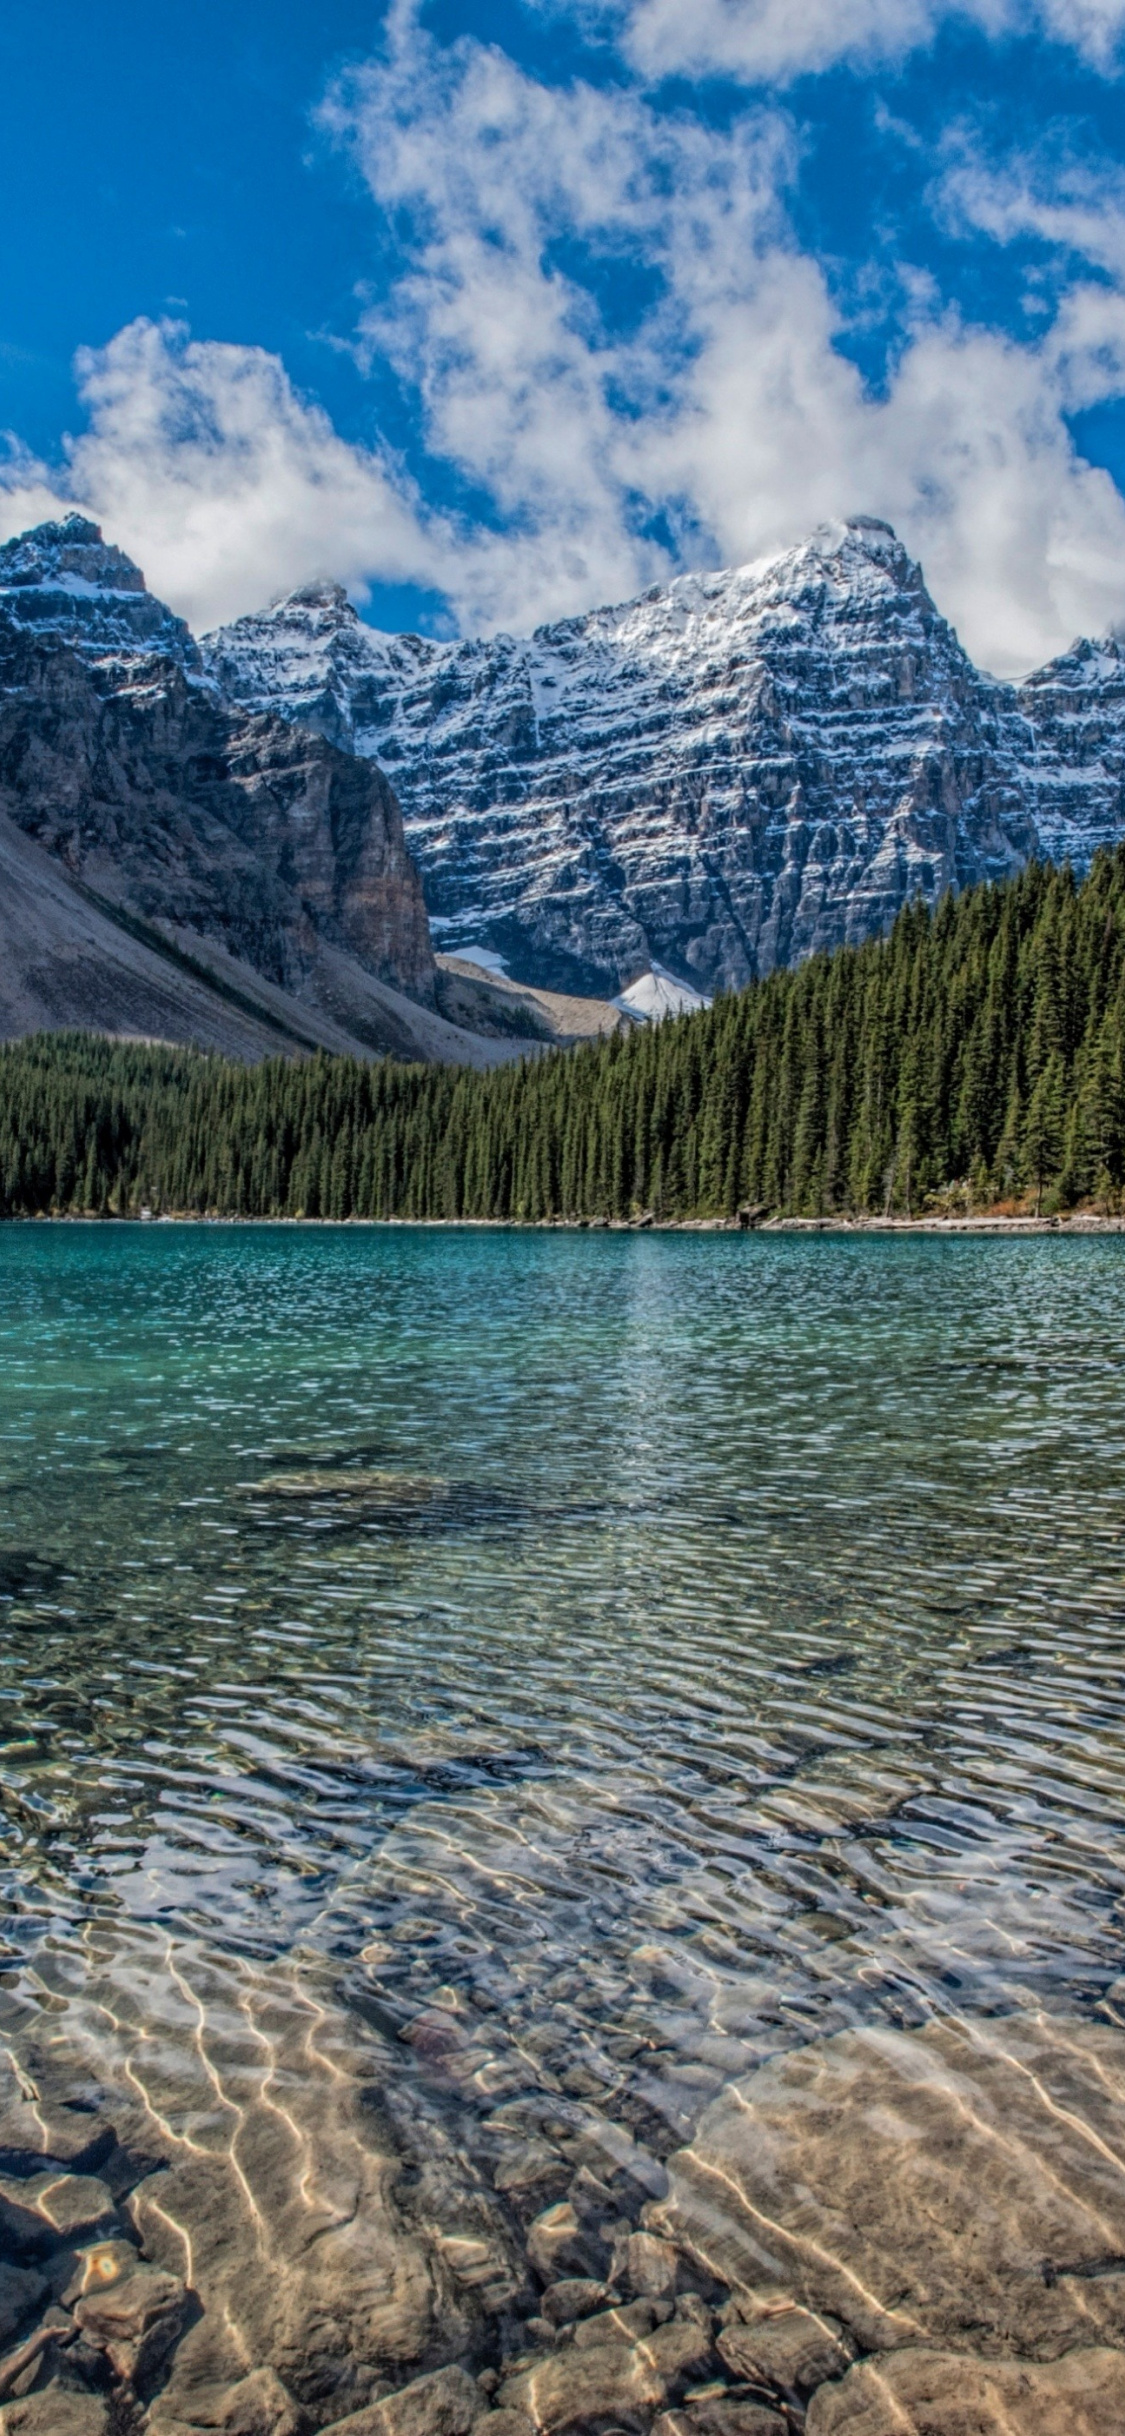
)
(971, 1059)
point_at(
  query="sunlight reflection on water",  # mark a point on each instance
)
(666, 1648)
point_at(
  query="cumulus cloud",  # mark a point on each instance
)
(624, 362)
(204, 464)
(1074, 205)
(772, 41)
(721, 414)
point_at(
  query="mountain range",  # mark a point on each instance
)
(222, 840)
(727, 774)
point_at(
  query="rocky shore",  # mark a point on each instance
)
(877, 2233)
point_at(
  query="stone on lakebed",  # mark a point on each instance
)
(959, 2188)
(936, 2393)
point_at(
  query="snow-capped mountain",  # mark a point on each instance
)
(721, 776)
(1075, 773)
(64, 580)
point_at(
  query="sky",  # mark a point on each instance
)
(497, 314)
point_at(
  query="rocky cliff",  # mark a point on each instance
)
(721, 776)
(244, 830)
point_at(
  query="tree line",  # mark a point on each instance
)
(974, 1056)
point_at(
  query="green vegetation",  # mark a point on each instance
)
(974, 1056)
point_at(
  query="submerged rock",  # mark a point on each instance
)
(574, 2296)
(936, 2393)
(48, 2205)
(646, 2265)
(722, 2415)
(257, 2405)
(623, 2374)
(962, 2186)
(136, 2320)
(445, 2404)
(21, 2288)
(34, 2135)
(785, 2347)
(561, 2246)
(55, 2412)
(612, 2381)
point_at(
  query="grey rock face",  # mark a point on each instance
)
(1075, 712)
(249, 831)
(723, 775)
(64, 579)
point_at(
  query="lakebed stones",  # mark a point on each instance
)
(136, 2320)
(445, 2404)
(722, 2415)
(617, 2367)
(968, 2179)
(785, 2347)
(962, 2187)
(55, 2412)
(20, 2289)
(933, 2393)
(48, 2207)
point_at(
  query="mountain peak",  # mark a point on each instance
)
(65, 579)
(70, 554)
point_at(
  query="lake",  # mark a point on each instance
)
(540, 1671)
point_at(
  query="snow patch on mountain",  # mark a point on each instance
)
(725, 774)
(64, 580)
(658, 993)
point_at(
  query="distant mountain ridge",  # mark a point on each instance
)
(724, 775)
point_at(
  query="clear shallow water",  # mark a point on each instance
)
(642, 1653)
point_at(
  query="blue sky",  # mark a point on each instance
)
(495, 314)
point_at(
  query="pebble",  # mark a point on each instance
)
(559, 2246)
(626, 2325)
(135, 2320)
(575, 2296)
(790, 2348)
(606, 2381)
(95, 2267)
(645, 2264)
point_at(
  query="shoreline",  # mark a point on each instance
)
(1076, 1223)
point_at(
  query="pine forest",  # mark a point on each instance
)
(972, 1059)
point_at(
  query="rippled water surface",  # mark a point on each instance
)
(648, 1650)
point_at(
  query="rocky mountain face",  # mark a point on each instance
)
(719, 777)
(242, 830)
(722, 776)
(1074, 771)
(63, 579)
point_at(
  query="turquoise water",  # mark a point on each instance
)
(659, 1648)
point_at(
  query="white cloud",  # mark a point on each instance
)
(726, 403)
(1074, 205)
(205, 465)
(716, 420)
(772, 41)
